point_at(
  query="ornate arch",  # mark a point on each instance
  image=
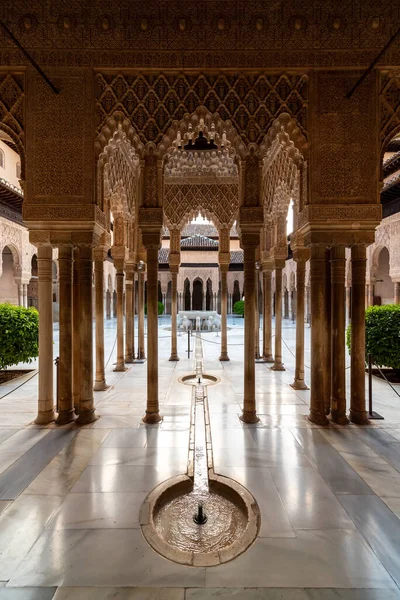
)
(389, 107)
(12, 111)
(153, 101)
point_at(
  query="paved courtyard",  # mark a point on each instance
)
(70, 497)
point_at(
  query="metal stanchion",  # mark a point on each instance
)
(371, 413)
(57, 363)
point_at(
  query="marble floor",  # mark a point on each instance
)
(70, 497)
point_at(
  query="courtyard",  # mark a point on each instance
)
(70, 496)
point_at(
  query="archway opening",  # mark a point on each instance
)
(383, 283)
(8, 285)
(197, 297)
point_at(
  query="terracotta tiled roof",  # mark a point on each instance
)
(206, 229)
(199, 242)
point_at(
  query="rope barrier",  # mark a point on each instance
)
(20, 385)
(387, 380)
(111, 353)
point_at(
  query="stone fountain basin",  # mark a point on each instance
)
(205, 379)
(176, 488)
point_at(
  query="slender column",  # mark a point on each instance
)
(358, 414)
(348, 303)
(397, 292)
(257, 316)
(249, 402)
(45, 292)
(25, 294)
(267, 324)
(141, 351)
(65, 400)
(299, 383)
(129, 338)
(371, 293)
(120, 366)
(20, 295)
(338, 332)
(108, 304)
(114, 302)
(278, 366)
(174, 345)
(164, 301)
(328, 328)
(286, 304)
(87, 412)
(190, 299)
(203, 303)
(318, 335)
(152, 410)
(224, 311)
(100, 379)
(76, 344)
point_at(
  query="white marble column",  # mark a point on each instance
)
(174, 346)
(318, 335)
(278, 365)
(141, 348)
(76, 344)
(267, 323)
(338, 336)
(87, 413)
(224, 306)
(249, 414)
(120, 366)
(99, 258)
(299, 383)
(129, 315)
(358, 413)
(397, 292)
(46, 412)
(25, 294)
(151, 243)
(66, 412)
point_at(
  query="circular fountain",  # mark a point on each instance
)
(201, 518)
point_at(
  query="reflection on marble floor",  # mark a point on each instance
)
(329, 498)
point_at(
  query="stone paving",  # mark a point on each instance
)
(70, 497)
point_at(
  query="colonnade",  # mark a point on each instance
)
(75, 375)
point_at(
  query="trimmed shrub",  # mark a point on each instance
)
(19, 335)
(160, 308)
(382, 335)
(238, 308)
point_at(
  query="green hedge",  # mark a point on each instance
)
(160, 309)
(19, 332)
(382, 335)
(238, 307)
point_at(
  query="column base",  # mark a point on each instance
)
(359, 417)
(268, 358)
(129, 358)
(65, 416)
(100, 386)
(224, 357)
(174, 357)
(120, 368)
(45, 417)
(340, 418)
(249, 416)
(299, 384)
(277, 366)
(317, 418)
(151, 418)
(87, 416)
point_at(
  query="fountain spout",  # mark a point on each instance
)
(200, 517)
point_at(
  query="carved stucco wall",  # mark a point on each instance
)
(387, 235)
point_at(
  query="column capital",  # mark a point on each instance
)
(224, 259)
(174, 260)
(301, 254)
(100, 253)
(224, 267)
(279, 264)
(249, 239)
